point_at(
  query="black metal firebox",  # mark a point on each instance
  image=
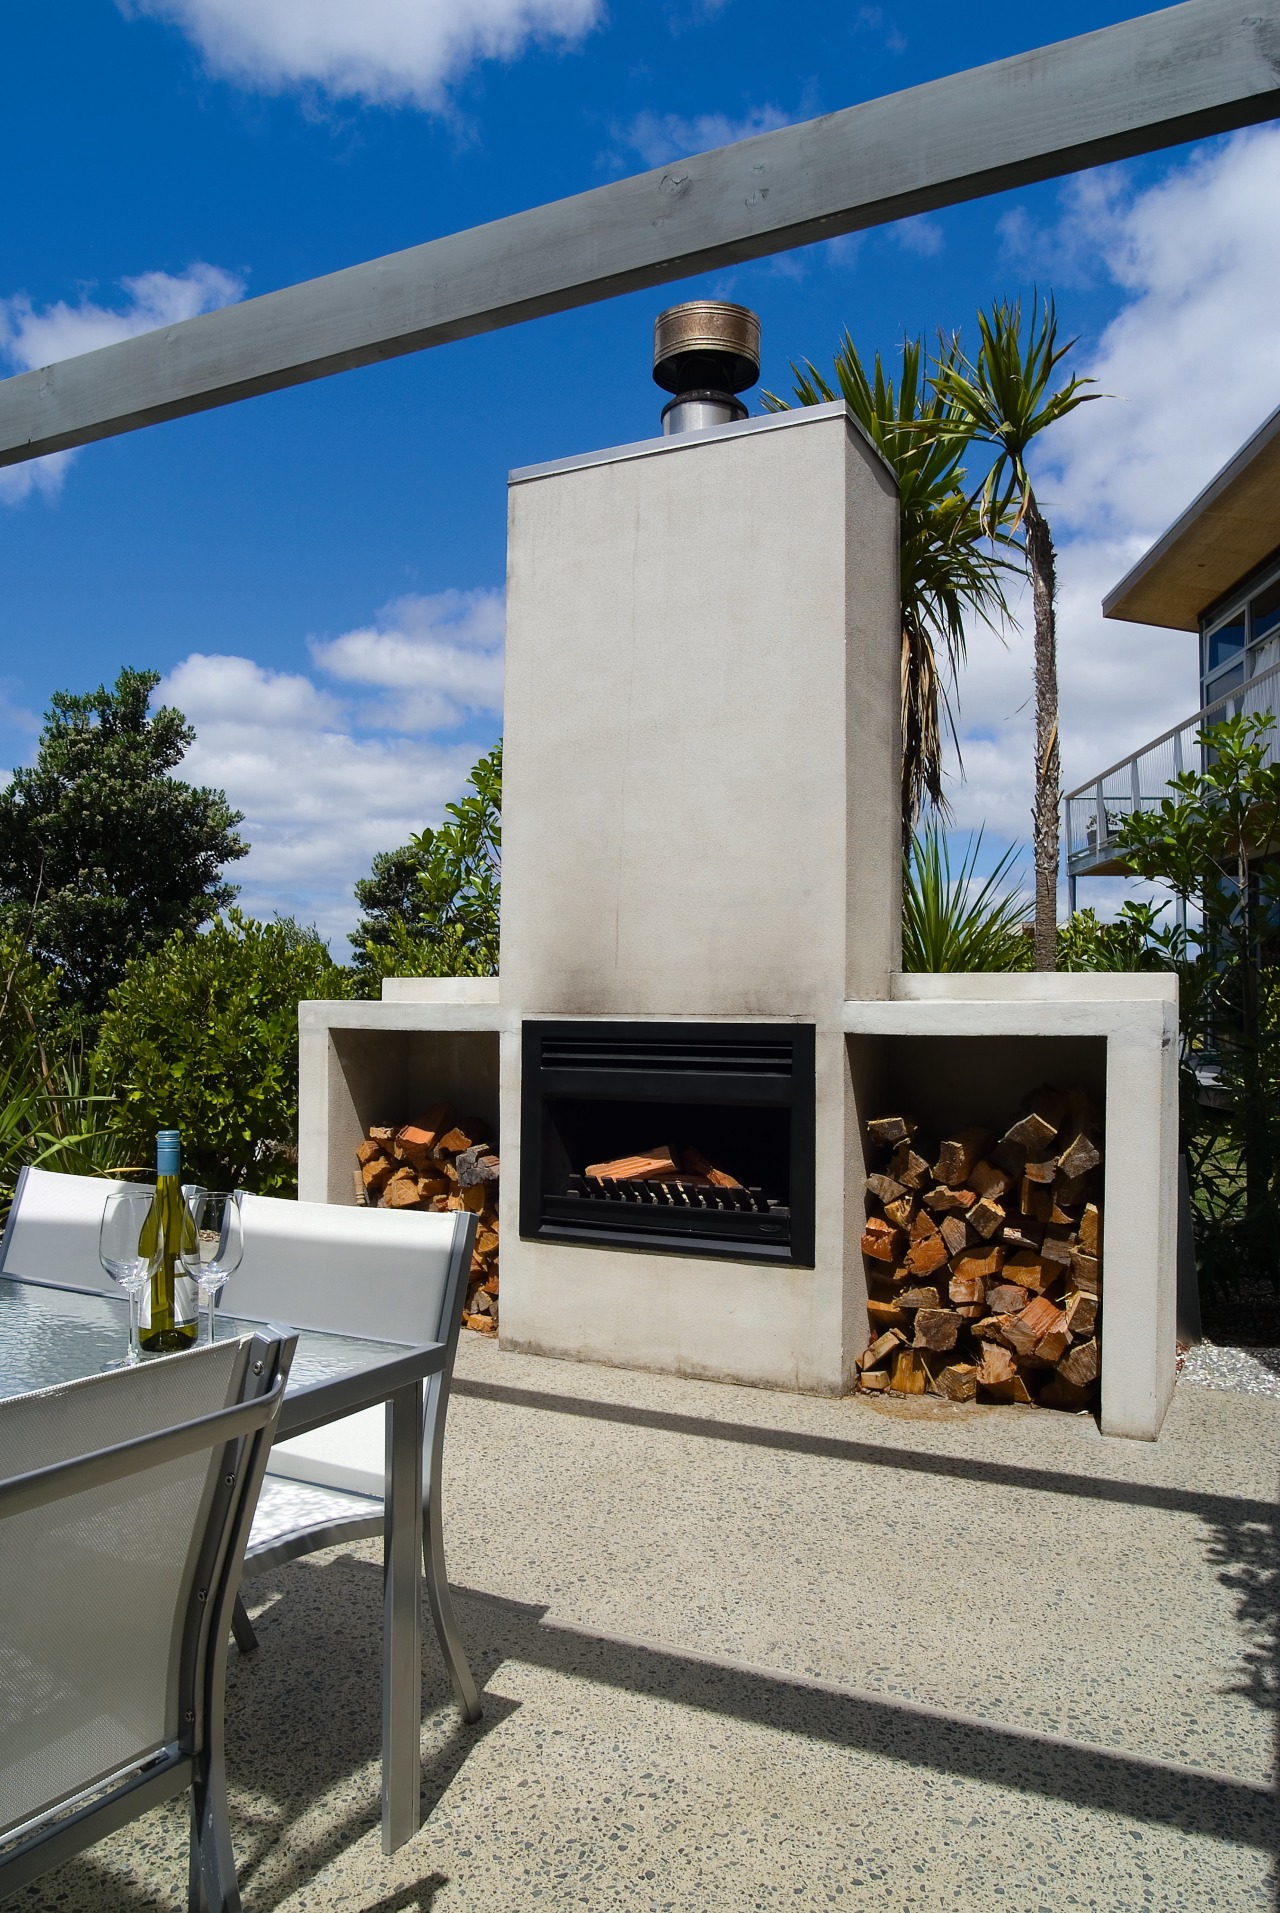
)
(737, 1096)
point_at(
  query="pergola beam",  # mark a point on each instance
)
(1203, 67)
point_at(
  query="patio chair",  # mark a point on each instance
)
(375, 1272)
(391, 1274)
(125, 1506)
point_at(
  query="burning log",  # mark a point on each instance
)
(984, 1258)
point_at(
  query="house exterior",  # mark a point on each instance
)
(1216, 571)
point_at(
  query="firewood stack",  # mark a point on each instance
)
(441, 1161)
(983, 1258)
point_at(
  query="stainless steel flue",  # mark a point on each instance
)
(705, 352)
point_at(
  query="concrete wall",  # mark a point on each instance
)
(700, 820)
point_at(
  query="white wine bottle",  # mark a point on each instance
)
(169, 1300)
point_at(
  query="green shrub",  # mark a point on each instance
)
(202, 1036)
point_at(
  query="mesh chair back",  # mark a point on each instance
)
(52, 1231)
(97, 1588)
(379, 1272)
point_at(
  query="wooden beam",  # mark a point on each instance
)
(1191, 70)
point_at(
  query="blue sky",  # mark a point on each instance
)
(318, 573)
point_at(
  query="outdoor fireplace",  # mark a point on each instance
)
(728, 1106)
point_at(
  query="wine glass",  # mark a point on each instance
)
(122, 1255)
(212, 1249)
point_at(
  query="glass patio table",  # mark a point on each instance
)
(51, 1334)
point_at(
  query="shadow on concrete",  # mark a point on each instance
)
(1161, 1793)
(998, 1474)
(304, 1740)
(1246, 1550)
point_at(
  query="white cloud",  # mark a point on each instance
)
(33, 336)
(660, 137)
(921, 235)
(1194, 356)
(380, 51)
(327, 777)
(436, 659)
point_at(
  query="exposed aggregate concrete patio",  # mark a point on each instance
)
(743, 1650)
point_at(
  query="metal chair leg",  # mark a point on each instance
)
(442, 1613)
(242, 1628)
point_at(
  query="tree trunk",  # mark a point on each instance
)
(1042, 566)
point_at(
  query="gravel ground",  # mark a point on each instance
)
(1246, 1371)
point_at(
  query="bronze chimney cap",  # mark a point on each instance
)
(706, 343)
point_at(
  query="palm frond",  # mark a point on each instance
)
(950, 564)
(951, 921)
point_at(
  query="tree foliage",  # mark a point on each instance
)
(202, 1036)
(1215, 842)
(431, 908)
(949, 564)
(104, 853)
(1004, 398)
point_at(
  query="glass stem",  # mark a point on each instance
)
(210, 1297)
(131, 1360)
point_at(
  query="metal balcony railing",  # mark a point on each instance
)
(1095, 811)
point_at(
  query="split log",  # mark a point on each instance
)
(382, 1134)
(1035, 1199)
(1039, 1321)
(922, 1298)
(883, 1346)
(881, 1241)
(476, 1164)
(883, 1315)
(376, 1174)
(1080, 1365)
(958, 1381)
(948, 1202)
(874, 1381)
(698, 1165)
(985, 1262)
(926, 1255)
(891, 1129)
(1007, 1298)
(957, 1156)
(967, 1289)
(1083, 1153)
(884, 1188)
(1056, 1246)
(922, 1227)
(955, 1233)
(986, 1216)
(1030, 1272)
(908, 1375)
(1070, 1192)
(970, 1311)
(1046, 1111)
(1041, 1170)
(648, 1165)
(986, 1179)
(936, 1329)
(1022, 1233)
(368, 1152)
(1085, 1273)
(1091, 1229)
(996, 1367)
(362, 1194)
(908, 1168)
(1014, 1390)
(1081, 1312)
(902, 1212)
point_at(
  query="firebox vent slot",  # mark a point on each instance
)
(732, 1056)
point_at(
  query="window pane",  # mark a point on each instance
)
(1266, 610)
(1224, 643)
(1224, 682)
(1263, 656)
